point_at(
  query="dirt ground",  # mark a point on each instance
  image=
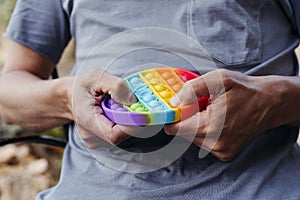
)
(23, 173)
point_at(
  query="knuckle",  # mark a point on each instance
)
(226, 157)
(224, 74)
(189, 85)
(119, 84)
(219, 146)
(203, 128)
(89, 145)
(170, 129)
(225, 154)
(226, 78)
(222, 71)
(84, 136)
(113, 139)
(188, 92)
(119, 89)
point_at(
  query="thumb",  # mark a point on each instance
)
(116, 87)
(208, 84)
(190, 93)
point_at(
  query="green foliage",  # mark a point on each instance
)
(6, 8)
(9, 130)
(55, 132)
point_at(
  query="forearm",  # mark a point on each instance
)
(33, 103)
(285, 99)
(291, 108)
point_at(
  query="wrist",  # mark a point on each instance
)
(284, 95)
(291, 91)
(63, 92)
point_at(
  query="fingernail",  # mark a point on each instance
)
(174, 101)
(166, 130)
(132, 99)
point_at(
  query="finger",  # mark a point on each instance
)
(109, 131)
(201, 141)
(216, 148)
(207, 143)
(116, 87)
(208, 84)
(130, 130)
(192, 127)
(105, 129)
(113, 132)
(100, 131)
(91, 140)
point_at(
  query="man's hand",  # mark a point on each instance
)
(241, 107)
(90, 89)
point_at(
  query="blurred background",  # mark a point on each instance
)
(26, 169)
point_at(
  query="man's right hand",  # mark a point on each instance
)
(92, 124)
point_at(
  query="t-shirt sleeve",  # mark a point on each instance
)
(296, 10)
(292, 10)
(41, 25)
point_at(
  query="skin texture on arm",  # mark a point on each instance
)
(29, 99)
(253, 105)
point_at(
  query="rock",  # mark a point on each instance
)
(8, 153)
(37, 167)
(22, 152)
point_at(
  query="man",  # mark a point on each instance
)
(261, 113)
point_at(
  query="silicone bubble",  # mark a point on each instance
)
(165, 94)
(153, 89)
(149, 76)
(159, 88)
(135, 106)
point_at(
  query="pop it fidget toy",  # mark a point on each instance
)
(153, 89)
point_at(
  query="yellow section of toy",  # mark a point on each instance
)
(165, 84)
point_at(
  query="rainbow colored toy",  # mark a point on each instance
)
(153, 89)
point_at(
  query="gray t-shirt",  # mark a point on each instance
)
(255, 37)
